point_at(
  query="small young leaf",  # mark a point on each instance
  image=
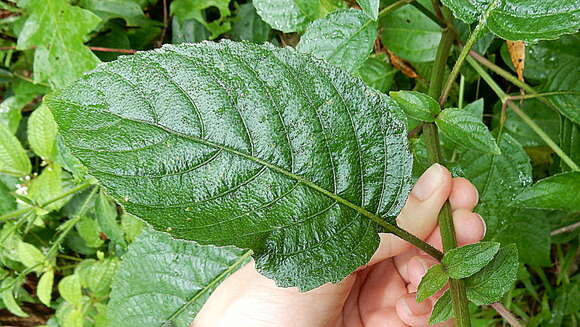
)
(494, 280)
(434, 280)
(131, 226)
(70, 289)
(44, 289)
(46, 186)
(288, 15)
(417, 105)
(464, 128)
(97, 275)
(144, 280)
(42, 130)
(13, 158)
(106, 213)
(11, 304)
(465, 261)
(89, 231)
(370, 7)
(559, 192)
(442, 310)
(74, 318)
(344, 38)
(29, 255)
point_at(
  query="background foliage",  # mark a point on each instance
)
(63, 240)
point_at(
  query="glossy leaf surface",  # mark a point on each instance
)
(344, 38)
(178, 274)
(466, 129)
(268, 150)
(560, 192)
(417, 105)
(525, 20)
(499, 178)
(409, 35)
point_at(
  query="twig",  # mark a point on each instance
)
(456, 287)
(465, 51)
(415, 131)
(506, 314)
(525, 118)
(565, 229)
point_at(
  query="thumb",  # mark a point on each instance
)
(419, 215)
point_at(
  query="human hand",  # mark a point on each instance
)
(379, 294)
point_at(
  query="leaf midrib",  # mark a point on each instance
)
(211, 284)
(362, 211)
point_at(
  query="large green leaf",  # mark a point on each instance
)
(165, 282)
(409, 34)
(344, 38)
(555, 192)
(543, 115)
(57, 30)
(499, 178)
(288, 15)
(248, 145)
(525, 20)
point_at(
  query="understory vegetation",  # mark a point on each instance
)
(150, 138)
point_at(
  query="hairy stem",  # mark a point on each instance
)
(465, 51)
(525, 118)
(456, 287)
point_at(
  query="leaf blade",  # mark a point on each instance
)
(265, 153)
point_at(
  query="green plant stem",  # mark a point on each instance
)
(429, 14)
(392, 7)
(54, 247)
(465, 51)
(17, 213)
(461, 92)
(525, 118)
(456, 287)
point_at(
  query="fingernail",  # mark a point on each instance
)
(418, 309)
(428, 182)
(483, 223)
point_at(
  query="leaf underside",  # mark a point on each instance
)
(247, 145)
